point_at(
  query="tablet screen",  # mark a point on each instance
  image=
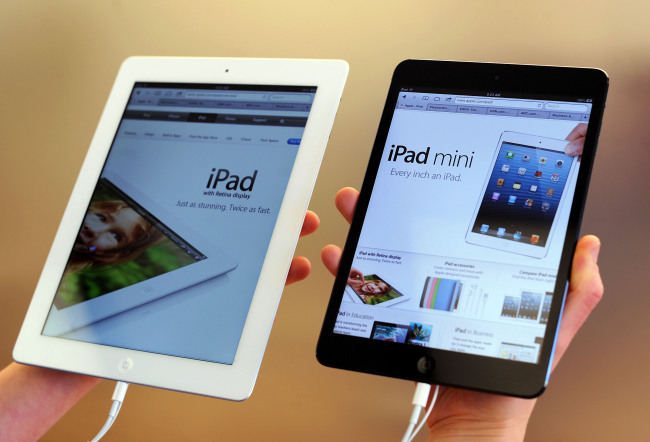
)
(472, 190)
(523, 194)
(170, 250)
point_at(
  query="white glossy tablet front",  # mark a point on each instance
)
(172, 254)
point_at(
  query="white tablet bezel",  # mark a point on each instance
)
(234, 381)
(534, 142)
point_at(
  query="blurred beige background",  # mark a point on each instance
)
(59, 59)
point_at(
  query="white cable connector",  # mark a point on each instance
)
(118, 398)
(421, 395)
(420, 398)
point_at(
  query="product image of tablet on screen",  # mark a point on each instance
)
(125, 256)
(470, 208)
(200, 171)
(523, 194)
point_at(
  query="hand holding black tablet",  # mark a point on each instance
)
(470, 414)
(471, 209)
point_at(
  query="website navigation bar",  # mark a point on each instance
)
(499, 107)
(201, 117)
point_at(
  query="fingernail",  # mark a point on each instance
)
(571, 149)
(595, 251)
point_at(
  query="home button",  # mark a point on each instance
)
(426, 365)
(125, 365)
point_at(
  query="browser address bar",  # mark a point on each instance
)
(521, 104)
(227, 96)
(250, 96)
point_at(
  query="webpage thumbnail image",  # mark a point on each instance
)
(439, 301)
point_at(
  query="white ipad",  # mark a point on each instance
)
(172, 254)
(523, 195)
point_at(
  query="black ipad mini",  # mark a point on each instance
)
(471, 205)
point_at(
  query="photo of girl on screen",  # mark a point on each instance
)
(111, 233)
(119, 244)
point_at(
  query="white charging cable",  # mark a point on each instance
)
(118, 398)
(419, 401)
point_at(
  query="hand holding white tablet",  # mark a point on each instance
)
(32, 399)
(187, 209)
(465, 414)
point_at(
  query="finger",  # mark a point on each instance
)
(310, 224)
(300, 266)
(580, 131)
(575, 147)
(585, 291)
(299, 270)
(346, 201)
(331, 256)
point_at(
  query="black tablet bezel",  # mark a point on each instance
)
(445, 367)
